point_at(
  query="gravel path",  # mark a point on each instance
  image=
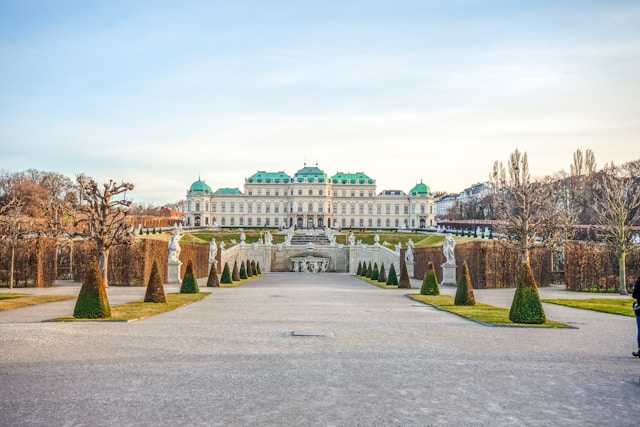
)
(299, 349)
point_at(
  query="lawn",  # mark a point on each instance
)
(620, 306)
(482, 313)
(136, 310)
(10, 301)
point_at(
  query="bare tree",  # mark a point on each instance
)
(617, 198)
(524, 211)
(104, 216)
(522, 207)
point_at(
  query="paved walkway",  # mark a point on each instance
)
(327, 349)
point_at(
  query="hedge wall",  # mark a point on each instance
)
(592, 266)
(34, 262)
(491, 264)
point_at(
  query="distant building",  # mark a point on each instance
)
(309, 199)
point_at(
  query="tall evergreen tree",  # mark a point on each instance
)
(526, 306)
(243, 271)
(464, 291)
(359, 270)
(226, 274)
(249, 269)
(369, 270)
(375, 273)
(235, 274)
(213, 281)
(189, 283)
(430, 281)
(382, 276)
(405, 282)
(155, 288)
(92, 302)
(392, 279)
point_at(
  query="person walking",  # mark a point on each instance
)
(636, 309)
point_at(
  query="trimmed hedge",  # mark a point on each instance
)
(92, 302)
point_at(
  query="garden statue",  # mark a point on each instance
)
(449, 244)
(408, 255)
(174, 246)
(213, 249)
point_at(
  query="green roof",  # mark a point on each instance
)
(420, 190)
(351, 178)
(269, 177)
(199, 187)
(310, 174)
(227, 191)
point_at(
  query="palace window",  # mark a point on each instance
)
(241, 206)
(206, 206)
(311, 192)
(344, 208)
(361, 210)
(258, 208)
(197, 206)
(379, 209)
(276, 207)
(214, 207)
(406, 209)
(361, 222)
(250, 207)
(387, 208)
(310, 208)
(223, 207)
(267, 207)
(232, 207)
(396, 209)
(353, 208)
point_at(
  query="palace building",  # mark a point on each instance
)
(309, 199)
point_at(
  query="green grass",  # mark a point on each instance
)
(620, 306)
(376, 283)
(136, 310)
(482, 313)
(10, 301)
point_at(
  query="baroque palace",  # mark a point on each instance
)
(310, 199)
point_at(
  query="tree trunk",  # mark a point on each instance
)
(622, 272)
(12, 265)
(103, 263)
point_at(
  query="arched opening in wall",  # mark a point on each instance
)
(422, 223)
(300, 222)
(320, 222)
(310, 222)
(196, 220)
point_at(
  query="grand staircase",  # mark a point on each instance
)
(302, 239)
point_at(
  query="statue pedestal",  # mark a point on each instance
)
(173, 273)
(410, 268)
(449, 275)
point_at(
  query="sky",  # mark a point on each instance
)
(162, 93)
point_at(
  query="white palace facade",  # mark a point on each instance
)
(309, 199)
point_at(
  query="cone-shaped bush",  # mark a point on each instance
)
(189, 283)
(235, 274)
(430, 281)
(369, 270)
(226, 274)
(92, 302)
(243, 271)
(382, 276)
(359, 270)
(249, 270)
(258, 269)
(213, 281)
(404, 282)
(464, 292)
(526, 306)
(375, 273)
(155, 288)
(392, 279)
(254, 269)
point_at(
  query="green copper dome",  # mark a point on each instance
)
(200, 187)
(310, 174)
(420, 190)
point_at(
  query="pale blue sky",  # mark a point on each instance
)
(158, 93)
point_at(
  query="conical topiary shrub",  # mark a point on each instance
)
(464, 292)
(369, 271)
(526, 306)
(375, 273)
(235, 274)
(155, 288)
(258, 269)
(92, 302)
(243, 271)
(189, 283)
(430, 281)
(359, 270)
(392, 279)
(254, 269)
(404, 282)
(382, 276)
(249, 270)
(213, 281)
(226, 274)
